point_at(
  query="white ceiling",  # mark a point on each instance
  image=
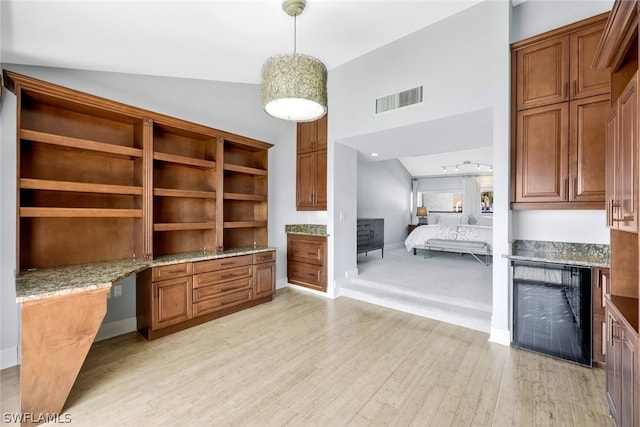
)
(206, 39)
(229, 41)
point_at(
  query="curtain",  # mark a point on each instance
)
(471, 197)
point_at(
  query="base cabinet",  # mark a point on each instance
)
(174, 297)
(622, 370)
(306, 261)
(173, 302)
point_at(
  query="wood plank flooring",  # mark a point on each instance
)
(304, 360)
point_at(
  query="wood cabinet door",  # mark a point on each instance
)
(264, 279)
(629, 371)
(611, 176)
(613, 375)
(627, 217)
(588, 119)
(306, 137)
(542, 152)
(320, 193)
(542, 73)
(172, 302)
(586, 80)
(321, 132)
(305, 181)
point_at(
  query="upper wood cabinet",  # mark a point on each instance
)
(557, 69)
(542, 154)
(588, 118)
(585, 79)
(311, 165)
(622, 161)
(312, 136)
(99, 180)
(542, 73)
(561, 106)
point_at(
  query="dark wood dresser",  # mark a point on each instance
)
(370, 235)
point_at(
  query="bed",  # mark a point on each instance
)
(472, 239)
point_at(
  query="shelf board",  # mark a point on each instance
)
(182, 160)
(249, 197)
(79, 187)
(245, 224)
(170, 192)
(80, 144)
(79, 213)
(182, 226)
(245, 169)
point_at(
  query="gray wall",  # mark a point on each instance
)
(384, 191)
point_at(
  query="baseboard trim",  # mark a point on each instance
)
(500, 336)
(309, 291)
(282, 283)
(9, 357)
(119, 327)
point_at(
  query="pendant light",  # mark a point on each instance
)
(294, 86)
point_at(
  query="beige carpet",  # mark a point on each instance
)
(449, 287)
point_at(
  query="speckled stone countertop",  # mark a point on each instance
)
(309, 229)
(585, 254)
(69, 279)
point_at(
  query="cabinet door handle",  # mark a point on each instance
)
(566, 189)
(566, 90)
(575, 187)
(575, 87)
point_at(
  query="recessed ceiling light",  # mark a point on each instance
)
(374, 154)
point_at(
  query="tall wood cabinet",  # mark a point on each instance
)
(99, 180)
(311, 165)
(560, 108)
(618, 51)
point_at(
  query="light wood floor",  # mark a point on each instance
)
(306, 360)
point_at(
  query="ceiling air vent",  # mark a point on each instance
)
(399, 100)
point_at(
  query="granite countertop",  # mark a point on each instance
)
(308, 229)
(583, 254)
(69, 279)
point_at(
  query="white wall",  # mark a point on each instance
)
(463, 63)
(384, 191)
(535, 17)
(229, 106)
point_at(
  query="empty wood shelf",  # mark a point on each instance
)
(178, 226)
(244, 224)
(79, 213)
(248, 197)
(80, 187)
(171, 192)
(245, 169)
(182, 160)
(80, 144)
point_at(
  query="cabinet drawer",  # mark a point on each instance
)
(219, 264)
(306, 251)
(222, 302)
(264, 257)
(221, 276)
(171, 271)
(220, 289)
(305, 274)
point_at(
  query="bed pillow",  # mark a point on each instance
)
(485, 221)
(449, 220)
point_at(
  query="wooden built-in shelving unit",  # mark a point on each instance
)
(99, 180)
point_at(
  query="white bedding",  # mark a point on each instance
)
(421, 234)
